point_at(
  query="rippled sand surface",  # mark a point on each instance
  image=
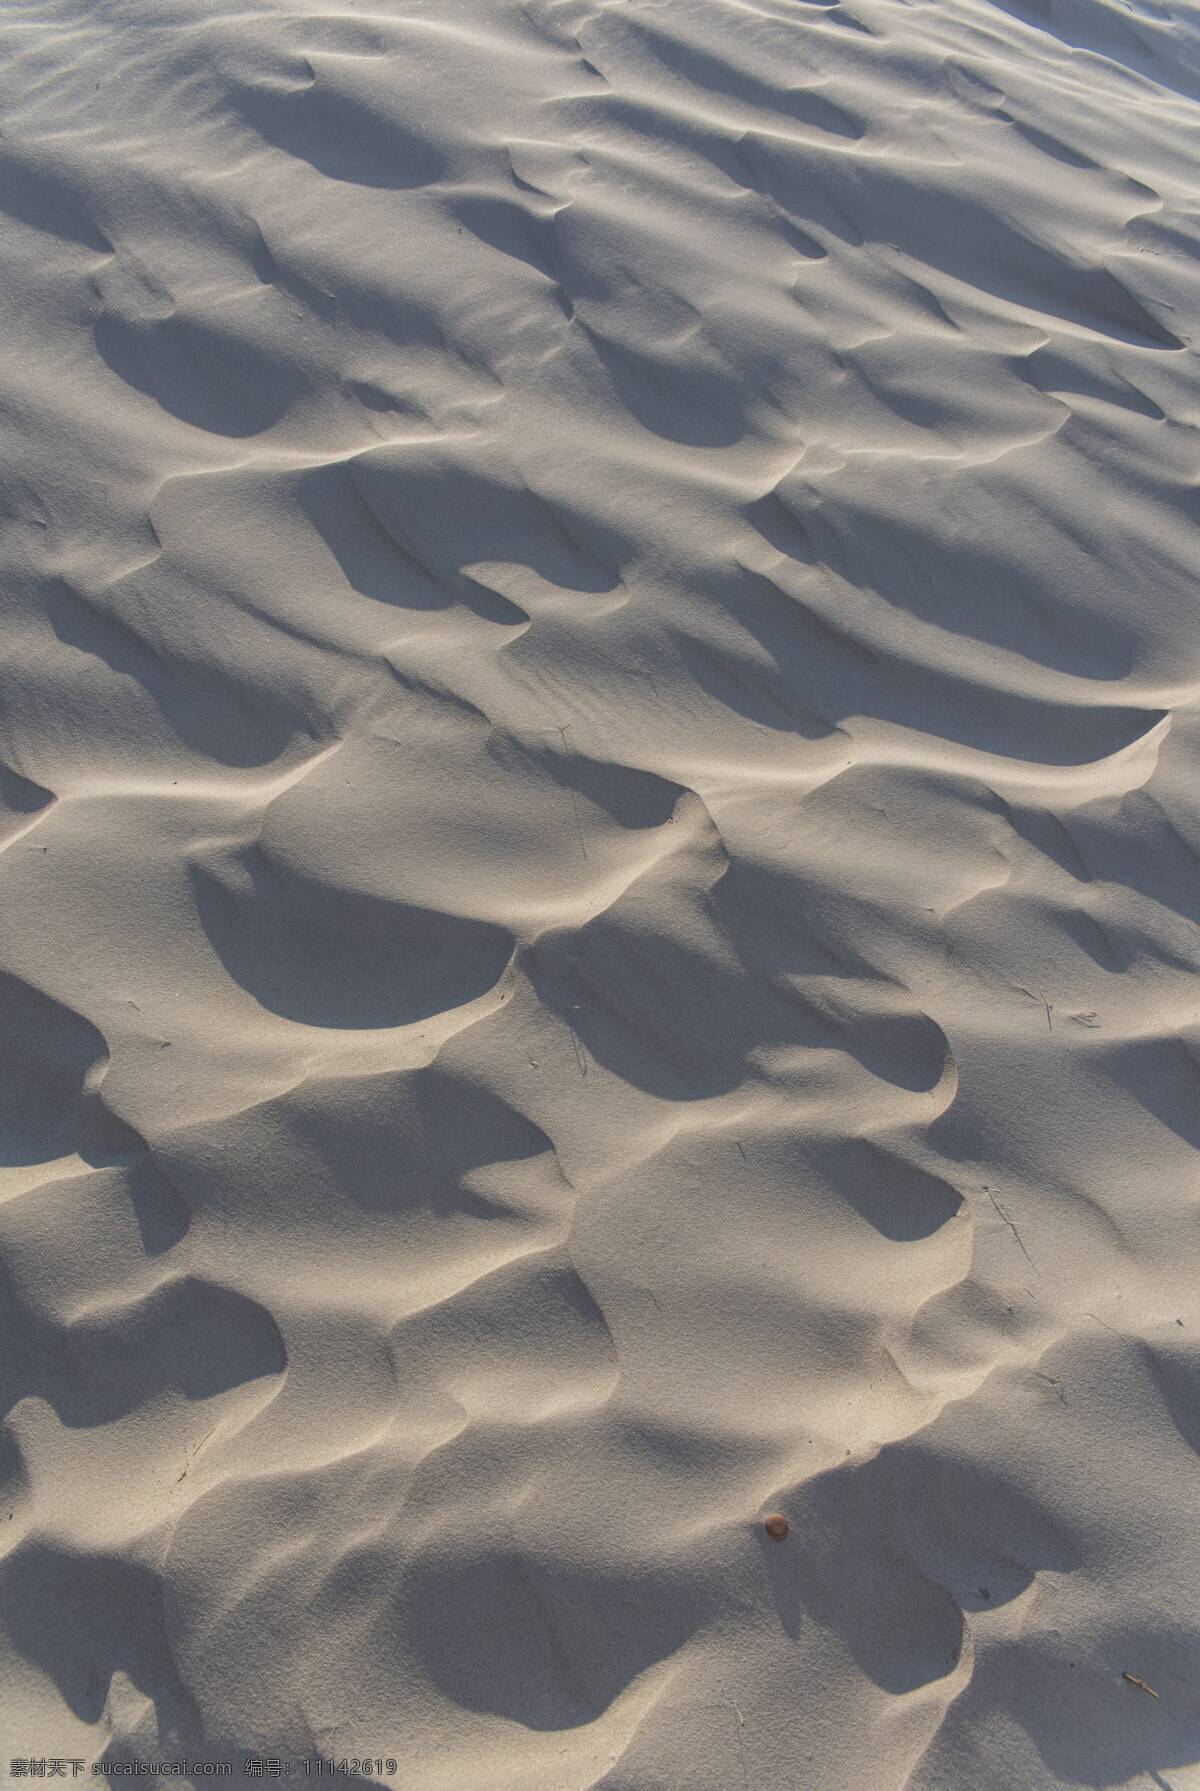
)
(599, 918)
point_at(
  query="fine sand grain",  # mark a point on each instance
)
(600, 756)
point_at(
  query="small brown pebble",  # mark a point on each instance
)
(776, 1526)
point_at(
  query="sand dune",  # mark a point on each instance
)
(598, 767)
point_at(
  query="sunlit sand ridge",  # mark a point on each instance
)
(600, 768)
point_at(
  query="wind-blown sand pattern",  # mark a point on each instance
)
(600, 890)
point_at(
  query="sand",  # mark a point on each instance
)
(600, 910)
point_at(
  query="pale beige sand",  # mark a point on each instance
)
(600, 904)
